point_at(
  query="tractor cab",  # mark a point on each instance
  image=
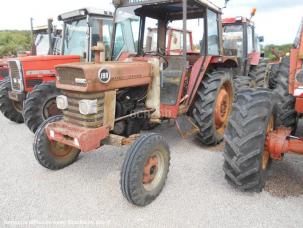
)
(180, 68)
(84, 29)
(240, 39)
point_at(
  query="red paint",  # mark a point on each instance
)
(278, 143)
(66, 133)
(196, 76)
(254, 58)
(40, 63)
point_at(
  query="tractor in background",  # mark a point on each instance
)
(263, 123)
(110, 102)
(240, 39)
(40, 43)
(30, 94)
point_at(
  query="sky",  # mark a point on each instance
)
(276, 20)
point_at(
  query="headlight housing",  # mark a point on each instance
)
(299, 76)
(88, 107)
(62, 102)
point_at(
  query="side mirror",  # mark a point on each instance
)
(261, 39)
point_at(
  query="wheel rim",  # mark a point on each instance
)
(223, 107)
(266, 153)
(50, 109)
(60, 150)
(18, 106)
(153, 171)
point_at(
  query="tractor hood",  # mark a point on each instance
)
(93, 77)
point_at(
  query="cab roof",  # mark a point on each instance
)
(80, 13)
(168, 5)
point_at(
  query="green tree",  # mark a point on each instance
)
(12, 42)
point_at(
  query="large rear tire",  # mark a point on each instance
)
(51, 154)
(287, 115)
(145, 169)
(213, 105)
(245, 153)
(273, 72)
(40, 105)
(12, 110)
(260, 74)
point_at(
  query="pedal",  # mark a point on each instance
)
(186, 127)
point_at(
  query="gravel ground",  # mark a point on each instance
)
(88, 192)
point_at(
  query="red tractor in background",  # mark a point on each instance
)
(30, 94)
(114, 100)
(263, 124)
(40, 43)
(240, 39)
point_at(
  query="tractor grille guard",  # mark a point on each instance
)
(72, 114)
(16, 75)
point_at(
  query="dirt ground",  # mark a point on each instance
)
(88, 193)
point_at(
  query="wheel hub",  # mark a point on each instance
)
(150, 170)
(59, 149)
(223, 107)
(266, 153)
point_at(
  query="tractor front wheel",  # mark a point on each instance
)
(213, 105)
(51, 154)
(40, 105)
(145, 169)
(12, 110)
(246, 155)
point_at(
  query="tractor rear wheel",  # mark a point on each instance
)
(243, 82)
(51, 154)
(213, 105)
(287, 115)
(260, 74)
(145, 169)
(245, 153)
(40, 105)
(273, 72)
(12, 110)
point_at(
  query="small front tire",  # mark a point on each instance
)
(51, 154)
(145, 169)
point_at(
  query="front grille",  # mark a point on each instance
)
(31, 83)
(72, 114)
(16, 75)
(68, 75)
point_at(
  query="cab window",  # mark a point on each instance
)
(212, 33)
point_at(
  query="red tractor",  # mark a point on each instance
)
(30, 94)
(240, 39)
(41, 43)
(263, 123)
(111, 102)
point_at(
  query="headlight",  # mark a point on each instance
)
(87, 107)
(62, 102)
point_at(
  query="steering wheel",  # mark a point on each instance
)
(154, 53)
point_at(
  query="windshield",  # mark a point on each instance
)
(233, 40)
(75, 42)
(101, 32)
(42, 44)
(127, 31)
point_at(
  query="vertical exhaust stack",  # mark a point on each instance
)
(33, 48)
(50, 35)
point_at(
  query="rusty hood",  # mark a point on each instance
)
(94, 77)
